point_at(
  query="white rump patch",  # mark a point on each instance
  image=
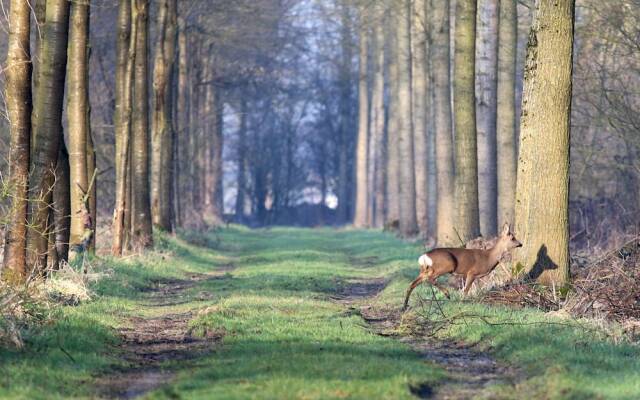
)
(425, 261)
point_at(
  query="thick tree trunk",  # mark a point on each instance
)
(419, 100)
(47, 129)
(360, 219)
(506, 113)
(125, 55)
(18, 103)
(542, 195)
(377, 160)
(408, 223)
(445, 234)
(141, 228)
(486, 103)
(162, 132)
(466, 183)
(78, 120)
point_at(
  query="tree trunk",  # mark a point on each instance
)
(542, 195)
(466, 182)
(47, 128)
(377, 160)
(162, 136)
(78, 120)
(18, 103)
(344, 197)
(393, 167)
(506, 113)
(486, 103)
(184, 132)
(419, 100)
(360, 219)
(408, 223)
(125, 55)
(242, 153)
(61, 210)
(141, 233)
(445, 234)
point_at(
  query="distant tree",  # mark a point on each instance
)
(506, 111)
(408, 223)
(542, 195)
(360, 219)
(439, 15)
(420, 100)
(393, 124)
(486, 103)
(18, 101)
(377, 161)
(466, 182)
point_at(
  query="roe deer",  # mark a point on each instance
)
(470, 263)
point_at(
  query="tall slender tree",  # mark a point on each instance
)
(125, 56)
(360, 219)
(441, 63)
(18, 100)
(486, 103)
(466, 182)
(377, 153)
(344, 191)
(78, 122)
(420, 90)
(408, 223)
(506, 112)
(542, 195)
(141, 228)
(162, 132)
(393, 157)
(47, 128)
(242, 161)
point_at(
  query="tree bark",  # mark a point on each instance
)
(408, 223)
(506, 113)
(78, 120)
(141, 228)
(392, 216)
(18, 102)
(419, 101)
(61, 210)
(377, 160)
(542, 194)
(183, 134)
(47, 128)
(125, 55)
(486, 103)
(360, 219)
(441, 62)
(162, 132)
(344, 197)
(466, 182)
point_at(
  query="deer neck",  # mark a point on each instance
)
(494, 254)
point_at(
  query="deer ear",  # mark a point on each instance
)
(505, 229)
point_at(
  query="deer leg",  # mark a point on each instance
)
(413, 285)
(434, 282)
(468, 283)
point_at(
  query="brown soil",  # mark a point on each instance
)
(470, 369)
(149, 343)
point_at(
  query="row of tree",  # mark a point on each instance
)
(475, 140)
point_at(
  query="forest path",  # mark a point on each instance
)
(150, 343)
(287, 313)
(470, 370)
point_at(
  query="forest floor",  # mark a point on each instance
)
(288, 313)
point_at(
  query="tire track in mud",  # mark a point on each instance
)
(469, 369)
(149, 343)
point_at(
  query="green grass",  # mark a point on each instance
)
(284, 337)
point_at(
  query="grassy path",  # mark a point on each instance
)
(282, 314)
